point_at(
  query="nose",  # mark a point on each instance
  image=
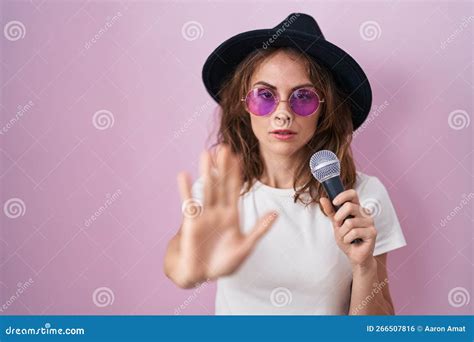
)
(282, 118)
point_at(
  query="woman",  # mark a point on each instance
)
(256, 220)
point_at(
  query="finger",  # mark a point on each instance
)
(327, 207)
(344, 211)
(357, 233)
(184, 186)
(262, 226)
(349, 224)
(222, 173)
(235, 180)
(208, 192)
(190, 207)
(346, 196)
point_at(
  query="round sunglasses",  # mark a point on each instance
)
(263, 101)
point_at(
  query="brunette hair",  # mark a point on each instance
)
(333, 131)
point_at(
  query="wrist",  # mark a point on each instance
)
(188, 282)
(367, 267)
(186, 277)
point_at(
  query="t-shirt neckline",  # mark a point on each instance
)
(275, 191)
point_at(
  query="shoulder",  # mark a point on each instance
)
(374, 196)
(369, 186)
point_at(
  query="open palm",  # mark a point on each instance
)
(211, 242)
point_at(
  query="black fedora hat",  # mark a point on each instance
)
(300, 31)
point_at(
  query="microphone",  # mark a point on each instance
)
(326, 168)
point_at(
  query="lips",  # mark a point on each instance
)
(283, 132)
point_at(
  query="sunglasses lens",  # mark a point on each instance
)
(260, 101)
(304, 101)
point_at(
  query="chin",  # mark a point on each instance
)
(283, 148)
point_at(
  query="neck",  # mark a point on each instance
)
(279, 170)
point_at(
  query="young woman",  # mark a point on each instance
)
(257, 220)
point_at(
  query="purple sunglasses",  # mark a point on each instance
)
(263, 101)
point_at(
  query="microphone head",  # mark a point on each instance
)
(324, 165)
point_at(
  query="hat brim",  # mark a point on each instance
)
(348, 74)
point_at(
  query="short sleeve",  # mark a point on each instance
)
(374, 196)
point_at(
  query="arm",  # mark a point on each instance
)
(370, 294)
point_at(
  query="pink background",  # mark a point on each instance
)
(145, 69)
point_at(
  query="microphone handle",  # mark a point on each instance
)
(334, 187)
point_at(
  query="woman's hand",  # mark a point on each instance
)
(361, 226)
(211, 243)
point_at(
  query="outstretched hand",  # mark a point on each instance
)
(211, 242)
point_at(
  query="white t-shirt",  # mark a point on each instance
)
(297, 267)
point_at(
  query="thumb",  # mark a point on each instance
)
(327, 207)
(262, 226)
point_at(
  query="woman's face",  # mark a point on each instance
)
(283, 72)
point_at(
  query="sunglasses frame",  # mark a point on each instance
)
(278, 100)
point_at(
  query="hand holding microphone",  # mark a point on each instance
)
(353, 226)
